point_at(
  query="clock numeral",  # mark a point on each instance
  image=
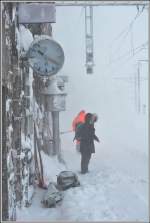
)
(53, 68)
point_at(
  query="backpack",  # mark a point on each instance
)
(67, 179)
(77, 131)
(51, 196)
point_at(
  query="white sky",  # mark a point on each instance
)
(99, 92)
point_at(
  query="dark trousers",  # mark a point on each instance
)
(85, 158)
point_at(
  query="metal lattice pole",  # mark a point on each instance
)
(89, 39)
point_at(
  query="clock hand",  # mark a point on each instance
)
(50, 59)
(40, 52)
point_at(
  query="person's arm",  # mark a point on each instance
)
(96, 138)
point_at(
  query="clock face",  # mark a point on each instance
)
(45, 56)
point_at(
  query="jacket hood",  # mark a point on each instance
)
(88, 118)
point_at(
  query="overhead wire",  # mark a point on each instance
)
(130, 57)
(129, 52)
(128, 30)
(132, 42)
(125, 33)
(136, 51)
(139, 50)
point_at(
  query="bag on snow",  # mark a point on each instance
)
(67, 179)
(51, 196)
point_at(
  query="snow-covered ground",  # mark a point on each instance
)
(106, 193)
(116, 188)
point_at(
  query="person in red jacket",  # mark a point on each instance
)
(86, 134)
(78, 120)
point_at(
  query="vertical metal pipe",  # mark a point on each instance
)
(55, 117)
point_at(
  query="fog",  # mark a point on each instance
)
(116, 186)
(103, 92)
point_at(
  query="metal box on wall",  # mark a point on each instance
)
(54, 94)
(55, 103)
(36, 13)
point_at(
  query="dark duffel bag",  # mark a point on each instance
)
(51, 196)
(67, 179)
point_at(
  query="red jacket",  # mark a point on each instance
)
(80, 118)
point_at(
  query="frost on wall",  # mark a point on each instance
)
(20, 192)
(24, 38)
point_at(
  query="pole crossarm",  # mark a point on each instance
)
(101, 3)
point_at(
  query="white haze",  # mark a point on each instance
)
(111, 99)
(116, 188)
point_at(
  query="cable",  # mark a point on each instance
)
(128, 52)
(134, 54)
(138, 50)
(125, 33)
(132, 42)
(126, 30)
(129, 58)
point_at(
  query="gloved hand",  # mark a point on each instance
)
(98, 140)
